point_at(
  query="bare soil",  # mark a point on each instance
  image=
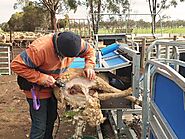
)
(14, 115)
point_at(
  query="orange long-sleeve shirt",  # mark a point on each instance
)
(40, 60)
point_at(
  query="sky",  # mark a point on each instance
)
(137, 6)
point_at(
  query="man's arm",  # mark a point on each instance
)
(90, 60)
(88, 54)
(26, 64)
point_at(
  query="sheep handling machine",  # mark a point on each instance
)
(120, 65)
(161, 88)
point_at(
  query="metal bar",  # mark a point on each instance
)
(7, 47)
(136, 75)
(103, 69)
(126, 111)
(3, 52)
(143, 53)
(170, 73)
(115, 56)
(98, 129)
(120, 124)
(113, 124)
(175, 76)
(184, 100)
(135, 68)
(145, 102)
(111, 57)
(165, 127)
(4, 62)
(126, 49)
(2, 68)
(100, 59)
(165, 42)
(9, 55)
(158, 53)
(111, 36)
(3, 57)
(157, 130)
(172, 61)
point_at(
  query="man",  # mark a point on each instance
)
(44, 60)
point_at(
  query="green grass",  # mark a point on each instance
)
(158, 30)
(174, 30)
(146, 31)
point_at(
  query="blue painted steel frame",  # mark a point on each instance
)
(110, 61)
(168, 97)
(164, 111)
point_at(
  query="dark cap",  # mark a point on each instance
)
(69, 44)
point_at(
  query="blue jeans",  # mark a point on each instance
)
(43, 119)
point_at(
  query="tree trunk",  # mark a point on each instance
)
(153, 24)
(98, 16)
(53, 21)
(92, 15)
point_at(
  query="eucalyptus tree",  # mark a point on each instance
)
(57, 6)
(36, 13)
(16, 21)
(156, 6)
(31, 16)
(53, 6)
(96, 7)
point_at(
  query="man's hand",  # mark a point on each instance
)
(49, 82)
(89, 73)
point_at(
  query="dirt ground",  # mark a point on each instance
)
(14, 114)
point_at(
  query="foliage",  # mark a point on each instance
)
(95, 6)
(4, 27)
(32, 16)
(16, 21)
(52, 6)
(63, 23)
(104, 6)
(157, 5)
(36, 13)
(108, 6)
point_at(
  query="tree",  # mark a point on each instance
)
(36, 13)
(5, 27)
(15, 23)
(97, 6)
(53, 6)
(63, 23)
(32, 16)
(156, 6)
(58, 5)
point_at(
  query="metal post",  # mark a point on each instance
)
(143, 46)
(145, 102)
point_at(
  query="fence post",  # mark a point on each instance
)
(143, 47)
